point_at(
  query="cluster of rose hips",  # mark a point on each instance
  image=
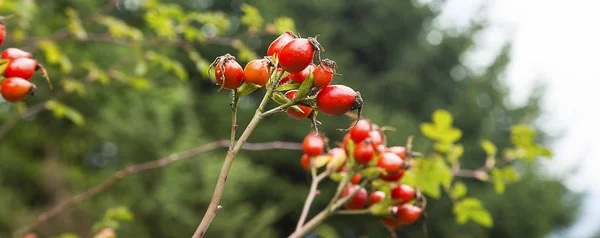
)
(288, 66)
(364, 149)
(16, 68)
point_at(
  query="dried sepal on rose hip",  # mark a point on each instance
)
(298, 54)
(227, 72)
(336, 100)
(324, 73)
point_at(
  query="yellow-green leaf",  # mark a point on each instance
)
(459, 190)
(284, 24)
(74, 24)
(321, 160)
(498, 179)
(489, 147)
(120, 29)
(252, 17)
(442, 119)
(73, 86)
(429, 130)
(61, 111)
(119, 213)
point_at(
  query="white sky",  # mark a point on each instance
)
(557, 43)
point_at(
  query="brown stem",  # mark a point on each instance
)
(311, 194)
(136, 168)
(392, 232)
(214, 206)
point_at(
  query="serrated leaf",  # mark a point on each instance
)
(442, 119)
(252, 17)
(455, 152)
(509, 174)
(472, 209)
(287, 87)
(432, 173)
(55, 56)
(284, 24)
(489, 147)
(459, 190)
(522, 135)
(442, 147)
(409, 178)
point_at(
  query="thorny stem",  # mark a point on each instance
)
(311, 194)
(142, 167)
(234, 125)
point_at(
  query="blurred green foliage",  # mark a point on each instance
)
(130, 86)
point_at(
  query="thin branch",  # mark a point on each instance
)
(137, 168)
(312, 193)
(234, 125)
(214, 206)
(392, 232)
(353, 212)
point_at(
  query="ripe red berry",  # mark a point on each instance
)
(360, 130)
(376, 139)
(398, 150)
(278, 43)
(228, 73)
(2, 33)
(21, 67)
(408, 213)
(363, 152)
(313, 144)
(324, 74)
(296, 114)
(356, 179)
(403, 193)
(335, 100)
(392, 177)
(257, 72)
(16, 89)
(305, 161)
(299, 77)
(390, 162)
(296, 55)
(376, 197)
(15, 53)
(358, 201)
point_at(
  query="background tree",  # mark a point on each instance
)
(132, 88)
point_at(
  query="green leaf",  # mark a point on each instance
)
(139, 83)
(284, 24)
(350, 148)
(442, 119)
(472, 209)
(119, 213)
(162, 19)
(60, 111)
(321, 160)
(217, 19)
(509, 174)
(336, 176)
(429, 130)
(482, 217)
(73, 86)
(383, 186)
(305, 88)
(252, 17)
(522, 135)
(68, 235)
(372, 172)
(498, 180)
(244, 52)
(95, 73)
(55, 56)
(74, 24)
(247, 88)
(119, 29)
(167, 64)
(326, 231)
(382, 208)
(449, 135)
(288, 86)
(105, 223)
(455, 152)
(432, 173)
(489, 147)
(459, 190)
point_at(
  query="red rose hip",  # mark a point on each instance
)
(278, 43)
(313, 144)
(296, 114)
(358, 201)
(335, 100)
(390, 162)
(15, 53)
(16, 89)
(403, 193)
(21, 67)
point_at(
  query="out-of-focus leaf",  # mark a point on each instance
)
(73, 86)
(95, 73)
(119, 29)
(472, 209)
(55, 56)
(459, 190)
(284, 24)
(60, 111)
(489, 147)
(252, 17)
(326, 231)
(119, 213)
(442, 119)
(74, 24)
(167, 64)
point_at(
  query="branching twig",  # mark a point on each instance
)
(133, 169)
(316, 179)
